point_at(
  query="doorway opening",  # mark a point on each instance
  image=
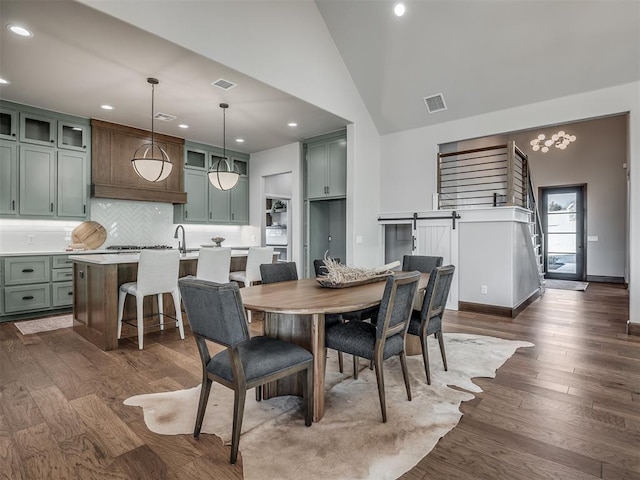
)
(563, 224)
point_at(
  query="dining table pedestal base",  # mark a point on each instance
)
(306, 331)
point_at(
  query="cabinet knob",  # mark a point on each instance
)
(52, 141)
(69, 293)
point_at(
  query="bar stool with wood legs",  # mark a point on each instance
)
(157, 274)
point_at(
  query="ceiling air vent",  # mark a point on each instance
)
(223, 84)
(435, 103)
(165, 117)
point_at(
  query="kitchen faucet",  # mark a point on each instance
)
(181, 246)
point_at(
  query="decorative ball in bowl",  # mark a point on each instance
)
(218, 241)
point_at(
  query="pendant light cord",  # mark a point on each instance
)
(153, 88)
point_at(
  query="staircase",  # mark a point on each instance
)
(535, 230)
(493, 176)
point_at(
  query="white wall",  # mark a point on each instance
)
(286, 159)
(410, 178)
(288, 46)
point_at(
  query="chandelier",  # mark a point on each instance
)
(223, 175)
(561, 140)
(150, 161)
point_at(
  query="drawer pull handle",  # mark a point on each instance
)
(27, 270)
(69, 293)
(28, 297)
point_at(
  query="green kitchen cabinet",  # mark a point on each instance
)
(34, 284)
(239, 196)
(196, 185)
(8, 124)
(327, 169)
(73, 136)
(71, 184)
(8, 178)
(219, 205)
(44, 164)
(205, 203)
(37, 129)
(37, 181)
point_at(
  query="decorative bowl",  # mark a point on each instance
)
(218, 241)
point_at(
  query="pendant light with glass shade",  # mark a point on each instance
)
(222, 175)
(150, 161)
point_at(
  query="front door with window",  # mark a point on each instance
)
(563, 218)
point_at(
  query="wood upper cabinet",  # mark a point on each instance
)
(112, 174)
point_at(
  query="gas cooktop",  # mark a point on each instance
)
(139, 247)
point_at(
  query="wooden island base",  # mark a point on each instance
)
(95, 299)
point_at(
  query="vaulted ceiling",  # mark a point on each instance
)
(481, 55)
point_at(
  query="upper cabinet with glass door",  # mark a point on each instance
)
(36, 129)
(72, 136)
(8, 124)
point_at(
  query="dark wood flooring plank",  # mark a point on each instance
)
(142, 462)
(63, 421)
(113, 434)
(18, 407)
(41, 454)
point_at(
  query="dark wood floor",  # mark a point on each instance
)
(569, 408)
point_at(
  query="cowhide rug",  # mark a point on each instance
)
(350, 442)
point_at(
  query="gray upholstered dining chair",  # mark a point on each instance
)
(384, 339)
(332, 319)
(422, 263)
(428, 320)
(278, 272)
(216, 313)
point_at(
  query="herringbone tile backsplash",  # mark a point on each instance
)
(134, 223)
(126, 222)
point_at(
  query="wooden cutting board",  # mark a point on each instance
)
(91, 234)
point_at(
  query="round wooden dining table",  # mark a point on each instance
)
(295, 311)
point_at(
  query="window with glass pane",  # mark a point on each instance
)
(561, 232)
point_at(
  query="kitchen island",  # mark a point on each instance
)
(96, 282)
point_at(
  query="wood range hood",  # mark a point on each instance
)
(112, 175)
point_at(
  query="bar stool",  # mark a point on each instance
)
(214, 264)
(157, 274)
(251, 274)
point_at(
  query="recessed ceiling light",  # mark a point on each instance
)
(18, 30)
(106, 107)
(399, 9)
(182, 125)
(4, 82)
(292, 124)
(240, 140)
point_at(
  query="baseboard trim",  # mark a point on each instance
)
(487, 309)
(605, 279)
(633, 328)
(517, 310)
(511, 312)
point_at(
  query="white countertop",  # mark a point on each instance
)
(235, 250)
(116, 258)
(51, 252)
